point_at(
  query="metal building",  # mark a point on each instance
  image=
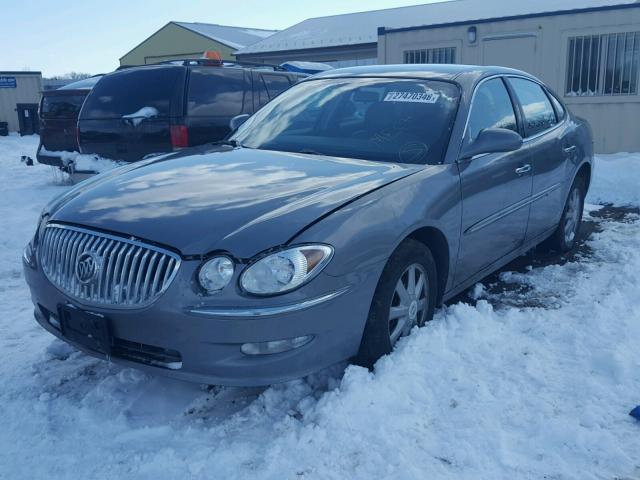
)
(19, 98)
(189, 40)
(588, 51)
(338, 40)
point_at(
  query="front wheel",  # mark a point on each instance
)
(404, 298)
(565, 236)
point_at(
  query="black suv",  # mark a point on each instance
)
(151, 109)
(59, 111)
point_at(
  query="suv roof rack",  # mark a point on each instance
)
(187, 62)
(208, 62)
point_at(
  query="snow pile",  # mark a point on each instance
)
(136, 118)
(83, 163)
(616, 179)
(485, 392)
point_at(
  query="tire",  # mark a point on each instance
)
(564, 237)
(381, 332)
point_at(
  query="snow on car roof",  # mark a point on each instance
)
(362, 27)
(234, 37)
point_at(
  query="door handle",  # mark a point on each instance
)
(523, 169)
(570, 149)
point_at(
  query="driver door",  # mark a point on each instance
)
(496, 187)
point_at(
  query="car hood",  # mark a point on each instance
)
(238, 200)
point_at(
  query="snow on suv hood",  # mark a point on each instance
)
(239, 200)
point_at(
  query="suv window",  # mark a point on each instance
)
(67, 106)
(216, 92)
(538, 111)
(261, 88)
(275, 84)
(492, 108)
(127, 91)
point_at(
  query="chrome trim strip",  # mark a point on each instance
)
(266, 311)
(510, 209)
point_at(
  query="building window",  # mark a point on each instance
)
(431, 55)
(603, 65)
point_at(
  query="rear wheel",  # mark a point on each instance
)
(404, 298)
(564, 237)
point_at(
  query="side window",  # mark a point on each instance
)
(492, 108)
(275, 84)
(538, 111)
(216, 92)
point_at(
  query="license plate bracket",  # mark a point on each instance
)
(87, 329)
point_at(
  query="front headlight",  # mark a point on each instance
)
(284, 271)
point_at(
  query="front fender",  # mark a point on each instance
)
(367, 231)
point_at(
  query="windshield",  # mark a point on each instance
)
(62, 106)
(390, 120)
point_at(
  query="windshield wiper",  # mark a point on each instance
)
(312, 152)
(231, 143)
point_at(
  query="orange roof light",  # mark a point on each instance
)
(212, 55)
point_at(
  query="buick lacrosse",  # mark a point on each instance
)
(329, 224)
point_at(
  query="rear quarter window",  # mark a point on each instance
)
(128, 91)
(67, 106)
(539, 114)
(216, 92)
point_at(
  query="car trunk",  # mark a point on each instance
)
(58, 119)
(130, 113)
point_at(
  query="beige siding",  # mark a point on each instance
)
(539, 45)
(28, 90)
(173, 41)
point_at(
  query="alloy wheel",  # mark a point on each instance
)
(409, 302)
(572, 217)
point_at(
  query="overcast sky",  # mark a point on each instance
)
(57, 37)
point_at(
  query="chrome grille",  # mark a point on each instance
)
(125, 273)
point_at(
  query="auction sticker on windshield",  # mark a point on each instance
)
(414, 97)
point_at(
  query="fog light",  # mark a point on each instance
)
(216, 273)
(276, 346)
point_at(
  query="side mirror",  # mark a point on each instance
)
(238, 120)
(493, 140)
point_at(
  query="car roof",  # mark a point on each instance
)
(449, 72)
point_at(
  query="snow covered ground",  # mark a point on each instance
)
(532, 378)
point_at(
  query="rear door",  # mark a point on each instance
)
(496, 187)
(128, 113)
(215, 96)
(58, 119)
(544, 140)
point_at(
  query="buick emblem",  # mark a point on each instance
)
(87, 267)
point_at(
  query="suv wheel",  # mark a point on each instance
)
(404, 298)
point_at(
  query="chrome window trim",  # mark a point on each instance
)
(502, 76)
(102, 240)
(253, 312)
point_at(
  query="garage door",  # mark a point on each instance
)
(515, 52)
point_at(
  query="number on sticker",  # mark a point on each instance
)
(414, 97)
